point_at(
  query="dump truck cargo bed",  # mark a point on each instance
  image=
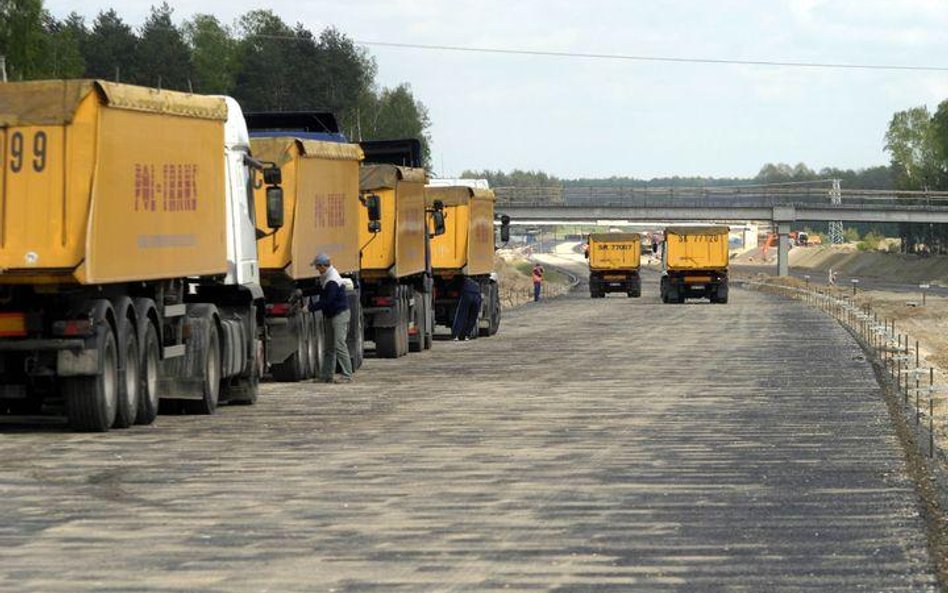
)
(695, 262)
(467, 245)
(615, 251)
(696, 247)
(398, 249)
(321, 189)
(107, 183)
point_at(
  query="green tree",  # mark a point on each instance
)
(213, 55)
(397, 114)
(783, 173)
(109, 49)
(916, 156)
(22, 38)
(162, 57)
(264, 81)
(918, 162)
(346, 75)
(63, 43)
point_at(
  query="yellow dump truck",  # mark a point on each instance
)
(465, 249)
(396, 268)
(128, 255)
(321, 187)
(614, 260)
(694, 263)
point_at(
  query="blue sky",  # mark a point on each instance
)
(575, 117)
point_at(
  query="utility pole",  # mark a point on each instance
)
(836, 226)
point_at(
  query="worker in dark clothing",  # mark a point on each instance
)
(334, 305)
(469, 308)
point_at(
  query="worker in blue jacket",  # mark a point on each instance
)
(334, 305)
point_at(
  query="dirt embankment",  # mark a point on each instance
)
(515, 282)
(848, 261)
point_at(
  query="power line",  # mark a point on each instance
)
(635, 58)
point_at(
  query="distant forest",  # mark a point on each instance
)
(264, 63)
(880, 177)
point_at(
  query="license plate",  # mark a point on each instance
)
(696, 286)
(12, 325)
(615, 284)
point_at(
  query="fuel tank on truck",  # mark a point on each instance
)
(467, 244)
(398, 249)
(321, 203)
(105, 182)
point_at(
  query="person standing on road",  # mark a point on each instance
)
(334, 304)
(832, 277)
(537, 281)
(469, 308)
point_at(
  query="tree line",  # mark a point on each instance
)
(264, 63)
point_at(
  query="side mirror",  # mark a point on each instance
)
(373, 204)
(437, 218)
(586, 251)
(505, 229)
(275, 207)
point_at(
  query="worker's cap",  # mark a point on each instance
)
(321, 260)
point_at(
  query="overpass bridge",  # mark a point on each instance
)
(781, 206)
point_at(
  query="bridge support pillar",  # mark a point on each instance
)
(783, 248)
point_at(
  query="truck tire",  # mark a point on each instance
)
(292, 369)
(314, 351)
(493, 311)
(416, 343)
(211, 379)
(386, 339)
(356, 338)
(150, 361)
(91, 402)
(243, 390)
(404, 320)
(130, 379)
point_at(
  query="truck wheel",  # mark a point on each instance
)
(148, 390)
(315, 345)
(403, 320)
(308, 345)
(385, 342)
(428, 337)
(243, 390)
(292, 369)
(416, 343)
(211, 383)
(356, 338)
(91, 402)
(493, 311)
(130, 379)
